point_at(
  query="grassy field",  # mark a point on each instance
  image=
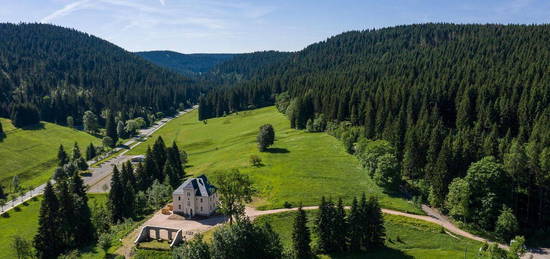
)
(24, 222)
(300, 167)
(31, 153)
(418, 239)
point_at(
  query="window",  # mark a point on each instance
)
(201, 200)
(179, 206)
(188, 203)
(179, 198)
(201, 208)
(188, 194)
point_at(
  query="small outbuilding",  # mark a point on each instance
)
(195, 197)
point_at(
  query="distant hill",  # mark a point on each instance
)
(185, 64)
(64, 72)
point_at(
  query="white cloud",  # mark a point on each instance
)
(162, 2)
(66, 10)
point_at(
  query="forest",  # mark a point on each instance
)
(51, 73)
(463, 111)
(186, 64)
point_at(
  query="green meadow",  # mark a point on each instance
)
(405, 238)
(23, 221)
(32, 153)
(299, 168)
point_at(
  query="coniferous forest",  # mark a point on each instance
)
(50, 73)
(465, 110)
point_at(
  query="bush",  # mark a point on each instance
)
(287, 205)
(255, 161)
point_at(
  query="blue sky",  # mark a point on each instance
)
(218, 26)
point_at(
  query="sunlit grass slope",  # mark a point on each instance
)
(23, 222)
(31, 153)
(300, 167)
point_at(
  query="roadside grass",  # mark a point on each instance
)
(405, 238)
(299, 168)
(32, 153)
(24, 222)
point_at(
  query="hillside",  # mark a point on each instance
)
(300, 167)
(64, 72)
(445, 96)
(32, 153)
(185, 64)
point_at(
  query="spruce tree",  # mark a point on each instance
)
(354, 220)
(142, 182)
(62, 157)
(340, 228)
(116, 198)
(172, 175)
(376, 233)
(90, 152)
(159, 156)
(363, 221)
(152, 171)
(300, 236)
(46, 241)
(76, 152)
(67, 215)
(110, 128)
(2, 193)
(325, 226)
(83, 229)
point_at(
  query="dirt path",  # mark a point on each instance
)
(433, 217)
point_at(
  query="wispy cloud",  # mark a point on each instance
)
(162, 2)
(66, 10)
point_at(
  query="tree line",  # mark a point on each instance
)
(52, 73)
(336, 231)
(444, 96)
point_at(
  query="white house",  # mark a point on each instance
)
(195, 197)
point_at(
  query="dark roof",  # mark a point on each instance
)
(201, 185)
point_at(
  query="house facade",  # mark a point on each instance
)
(195, 197)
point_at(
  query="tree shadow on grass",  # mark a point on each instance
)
(277, 150)
(37, 126)
(385, 252)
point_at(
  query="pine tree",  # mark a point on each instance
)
(300, 236)
(110, 128)
(116, 198)
(439, 177)
(325, 226)
(340, 228)
(90, 152)
(67, 216)
(127, 174)
(376, 231)
(174, 158)
(354, 234)
(62, 157)
(46, 241)
(83, 229)
(1, 131)
(172, 175)
(76, 152)
(363, 221)
(159, 156)
(142, 179)
(2, 193)
(152, 171)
